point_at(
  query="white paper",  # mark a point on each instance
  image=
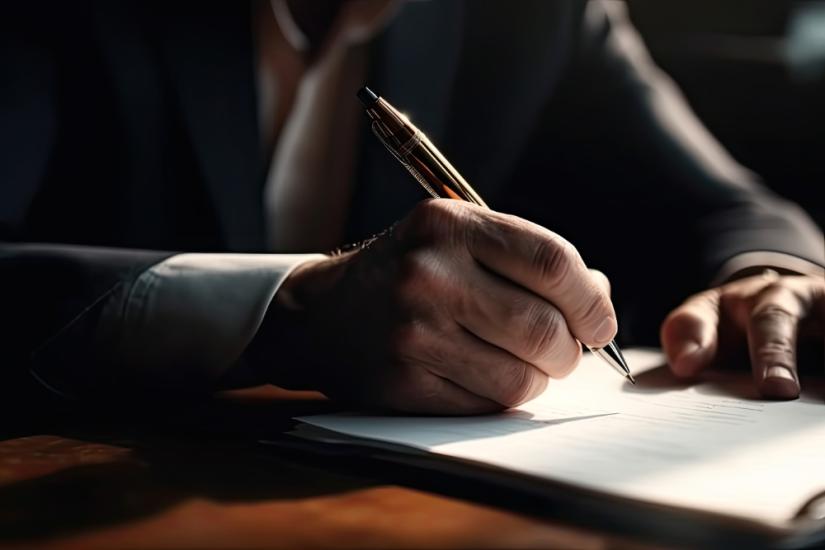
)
(711, 446)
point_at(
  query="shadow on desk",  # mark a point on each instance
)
(198, 478)
(93, 474)
(120, 486)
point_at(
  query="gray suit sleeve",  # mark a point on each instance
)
(731, 213)
(95, 322)
(184, 322)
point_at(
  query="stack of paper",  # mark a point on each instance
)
(712, 446)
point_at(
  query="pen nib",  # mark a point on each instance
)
(613, 356)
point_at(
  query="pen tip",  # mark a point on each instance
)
(367, 96)
(630, 377)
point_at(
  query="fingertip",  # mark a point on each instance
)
(689, 342)
(606, 331)
(779, 383)
(688, 361)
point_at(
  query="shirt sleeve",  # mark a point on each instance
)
(749, 263)
(179, 325)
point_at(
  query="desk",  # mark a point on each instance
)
(196, 478)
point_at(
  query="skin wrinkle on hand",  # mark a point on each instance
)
(416, 290)
(765, 312)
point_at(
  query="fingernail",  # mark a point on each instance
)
(690, 349)
(605, 331)
(780, 383)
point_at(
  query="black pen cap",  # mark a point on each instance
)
(367, 97)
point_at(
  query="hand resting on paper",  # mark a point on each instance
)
(767, 313)
(456, 310)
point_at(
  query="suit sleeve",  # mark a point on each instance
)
(85, 321)
(620, 166)
(626, 108)
(92, 322)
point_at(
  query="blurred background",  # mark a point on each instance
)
(754, 72)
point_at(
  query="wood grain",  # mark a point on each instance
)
(177, 488)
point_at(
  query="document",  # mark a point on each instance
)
(711, 446)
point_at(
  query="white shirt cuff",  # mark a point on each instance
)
(187, 319)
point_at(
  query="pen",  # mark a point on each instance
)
(440, 179)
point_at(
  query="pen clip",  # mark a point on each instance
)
(384, 137)
(401, 151)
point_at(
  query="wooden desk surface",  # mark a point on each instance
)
(174, 483)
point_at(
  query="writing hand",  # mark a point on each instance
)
(457, 310)
(764, 313)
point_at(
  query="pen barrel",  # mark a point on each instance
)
(434, 172)
(416, 152)
(441, 180)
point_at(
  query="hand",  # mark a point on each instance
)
(764, 312)
(457, 310)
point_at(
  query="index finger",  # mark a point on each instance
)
(546, 264)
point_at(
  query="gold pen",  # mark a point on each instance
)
(434, 172)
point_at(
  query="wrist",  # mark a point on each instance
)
(753, 263)
(308, 283)
(285, 351)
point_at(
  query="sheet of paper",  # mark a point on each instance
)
(711, 446)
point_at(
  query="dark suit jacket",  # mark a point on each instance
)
(130, 128)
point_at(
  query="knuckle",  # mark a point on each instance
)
(776, 351)
(772, 314)
(516, 311)
(554, 259)
(548, 342)
(544, 326)
(565, 365)
(515, 389)
(435, 218)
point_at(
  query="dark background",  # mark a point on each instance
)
(754, 72)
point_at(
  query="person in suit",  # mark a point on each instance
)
(172, 174)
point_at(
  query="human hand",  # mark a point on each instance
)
(766, 313)
(457, 310)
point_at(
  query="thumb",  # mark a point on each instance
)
(689, 334)
(601, 280)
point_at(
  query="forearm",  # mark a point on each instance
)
(288, 348)
(87, 321)
(186, 321)
(737, 223)
(53, 296)
(761, 231)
